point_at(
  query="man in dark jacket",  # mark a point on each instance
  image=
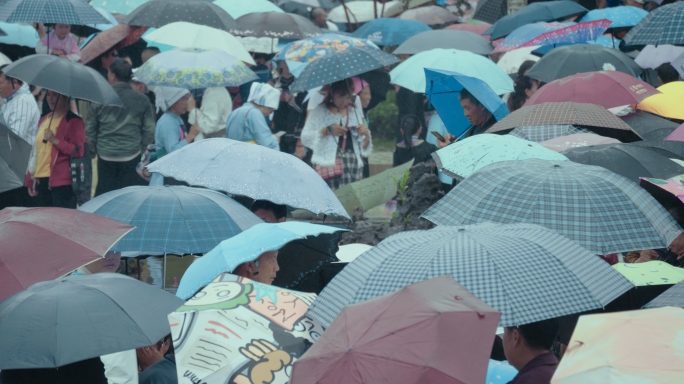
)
(527, 349)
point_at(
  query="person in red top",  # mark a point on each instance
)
(61, 134)
(527, 349)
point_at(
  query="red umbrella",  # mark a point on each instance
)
(434, 331)
(45, 243)
(608, 89)
(119, 36)
(475, 28)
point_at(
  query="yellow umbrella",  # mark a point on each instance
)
(668, 103)
(650, 273)
(644, 346)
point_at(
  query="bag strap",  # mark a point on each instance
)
(73, 153)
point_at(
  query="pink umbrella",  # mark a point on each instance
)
(677, 134)
(434, 331)
(430, 15)
(561, 143)
(475, 28)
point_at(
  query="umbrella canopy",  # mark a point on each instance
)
(363, 11)
(511, 61)
(669, 193)
(239, 8)
(313, 48)
(341, 65)
(577, 140)
(157, 13)
(602, 211)
(608, 89)
(648, 125)
(673, 297)
(221, 332)
(443, 89)
(117, 37)
(572, 59)
(122, 7)
(194, 68)
(552, 276)
(475, 28)
(430, 15)
(19, 34)
(490, 11)
(650, 273)
(671, 150)
(182, 34)
(677, 134)
(595, 354)
(256, 171)
(89, 29)
(68, 239)
(278, 25)
(540, 133)
(410, 74)
(653, 56)
(543, 11)
(81, 317)
(65, 77)
(14, 159)
(75, 12)
(386, 31)
(620, 17)
(462, 40)
(463, 158)
(662, 26)
(253, 242)
(361, 345)
(177, 220)
(551, 34)
(668, 103)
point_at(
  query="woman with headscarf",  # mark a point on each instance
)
(170, 133)
(248, 123)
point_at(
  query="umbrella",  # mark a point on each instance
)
(608, 89)
(14, 159)
(475, 28)
(604, 212)
(75, 12)
(512, 60)
(122, 7)
(442, 90)
(410, 74)
(118, 37)
(500, 372)
(256, 171)
(46, 243)
(596, 355)
(266, 45)
(550, 34)
(577, 140)
(662, 26)
(65, 77)
(349, 252)
(261, 238)
(650, 273)
(541, 133)
(235, 327)
(361, 344)
(677, 134)
(668, 103)
(678, 64)
(543, 11)
(194, 68)
(648, 125)
(89, 29)
(490, 11)
(430, 15)
(182, 34)
(363, 11)
(463, 158)
(157, 13)
(239, 8)
(620, 17)
(669, 149)
(70, 319)
(673, 297)
(313, 48)
(19, 34)
(177, 220)
(386, 31)
(627, 160)
(653, 56)
(276, 25)
(462, 40)
(572, 59)
(341, 65)
(551, 277)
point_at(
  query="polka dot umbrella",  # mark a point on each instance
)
(158, 13)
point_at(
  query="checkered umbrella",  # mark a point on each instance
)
(176, 220)
(665, 25)
(490, 10)
(602, 211)
(74, 12)
(540, 133)
(673, 297)
(527, 272)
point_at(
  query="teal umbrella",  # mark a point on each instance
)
(123, 7)
(463, 158)
(410, 74)
(238, 8)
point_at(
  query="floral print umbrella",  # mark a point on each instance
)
(545, 34)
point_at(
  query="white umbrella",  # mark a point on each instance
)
(653, 56)
(182, 34)
(511, 60)
(4, 59)
(362, 11)
(238, 8)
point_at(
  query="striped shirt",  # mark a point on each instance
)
(20, 114)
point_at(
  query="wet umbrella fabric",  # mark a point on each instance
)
(390, 31)
(14, 158)
(544, 11)
(430, 15)
(239, 8)
(668, 103)
(552, 276)
(122, 7)
(118, 37)
(19, 34)
(602, 211)
(75, 12)
(176, 220)
(474, 28)
(461, 40)
(577, 140)
(673, 297)
(276, 25)
(541, 133)
(490, 11)
(620, 17)
(649, 126)
(157, 13)
(82, 317)
(552, 34)
(665, 25)
(364, 11)
(653, 56)
(669, 149)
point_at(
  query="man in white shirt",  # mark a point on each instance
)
(211, 117)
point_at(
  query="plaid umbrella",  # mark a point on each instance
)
(542, 11)
(177, 220)
(603, 122)
(673, 297)
(551, 276)
(665, 25)
(157, 13)
(490, 11)
(117, 37)
(602, 211)
(74, 12)
(540, 133)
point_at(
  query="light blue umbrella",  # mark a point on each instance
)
(237, 8)
(442, 89)
(74, 12)
(621, 17)
(106, 15)
(249, 245)
(161, 47)
(123, 7)
(390, 31)
(500, 372)
(19, 34)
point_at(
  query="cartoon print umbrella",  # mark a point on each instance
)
(74, 12)
(662, 26)
(157, 13)
(549, 34)
(313, 48)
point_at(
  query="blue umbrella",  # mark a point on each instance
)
(622, 17)
(386, 31)
(19, 34)
(249, 245)
(442, 89)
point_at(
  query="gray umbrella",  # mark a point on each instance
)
(447, 39)
(62, 321)
(158, 13)
(14, 159)
(649, 126)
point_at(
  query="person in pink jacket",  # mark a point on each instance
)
(58, 43)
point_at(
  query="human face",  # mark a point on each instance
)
(365, 96)
(320, 20)
(110, 263)
(474, 113)
(341, 100)
(180, 106)
(6, 89)
(107, 59)
(56, 100)
(62, 30)
(267, 216)
(268, 267)
(533, 88)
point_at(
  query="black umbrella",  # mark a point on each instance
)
(545, 11)
(572, 59)
(490, 11)
(157, 13)
(650, 126)
(629, 161)
(300, 259)
(276, 25)
(63, 76)
(447, 39)
(670, 149)
(14, 159)
(379, 82)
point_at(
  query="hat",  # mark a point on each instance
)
(264, 95)
(359, 85)
(167, 96)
